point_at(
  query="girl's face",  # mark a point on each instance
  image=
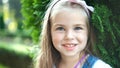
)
(69, 32)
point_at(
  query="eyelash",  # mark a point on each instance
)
(60, 28)
(78, 28)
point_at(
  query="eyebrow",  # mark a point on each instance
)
(58, 25)
(73, 25)
(80, 25)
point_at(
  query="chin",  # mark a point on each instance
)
(70, 54)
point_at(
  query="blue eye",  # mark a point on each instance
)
(78, 28)
(60, 28)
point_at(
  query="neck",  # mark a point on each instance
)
(69, 61)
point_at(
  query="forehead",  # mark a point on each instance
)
(68, 15)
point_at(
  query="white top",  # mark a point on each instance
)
(101, 64)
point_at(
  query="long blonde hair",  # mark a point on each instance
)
(48, 55)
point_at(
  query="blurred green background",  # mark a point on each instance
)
(15, 42)
(20, 26)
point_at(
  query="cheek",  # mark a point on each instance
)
(83, 38)
(57, 38)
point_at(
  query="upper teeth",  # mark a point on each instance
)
(71, 45)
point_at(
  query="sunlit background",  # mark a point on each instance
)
(15, 43)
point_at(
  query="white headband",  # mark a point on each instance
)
(80, 2)
(83, 3)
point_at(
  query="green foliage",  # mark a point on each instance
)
(3, 66)
(108, 33)
(2, 25)
(33, 11)
(17, 48)
(14, 56)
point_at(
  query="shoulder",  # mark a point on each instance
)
(95, 62)
(101, 64)
(90, 61)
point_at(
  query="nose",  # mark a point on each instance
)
(69, 35)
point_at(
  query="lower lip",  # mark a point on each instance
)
(69, 48)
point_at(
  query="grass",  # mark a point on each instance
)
(18, 48)
(15, 55)
(2, 66)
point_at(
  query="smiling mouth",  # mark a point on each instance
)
(69, 45)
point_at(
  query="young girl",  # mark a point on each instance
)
(67, 37)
